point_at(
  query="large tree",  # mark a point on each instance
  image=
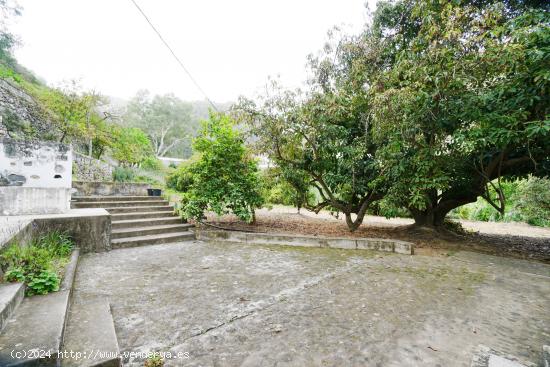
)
(325, 132)
(166, 119)
(464, 105)
(433, 103)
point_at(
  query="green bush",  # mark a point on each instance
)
(123, 174)
(279, 186)
(180, 179)
(225, 177)
(533, 201)
(151, 163)
(527, 200)
(37, 263)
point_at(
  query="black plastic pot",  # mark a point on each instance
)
(154, 192)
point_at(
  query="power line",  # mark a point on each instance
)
(175, 56)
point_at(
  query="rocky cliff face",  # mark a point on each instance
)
(21, 115)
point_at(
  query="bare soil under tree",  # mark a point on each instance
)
(507, 239)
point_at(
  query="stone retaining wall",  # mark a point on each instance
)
(378, 244)
(81, 188)
(91, 169)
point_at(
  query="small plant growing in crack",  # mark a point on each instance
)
(154, 361)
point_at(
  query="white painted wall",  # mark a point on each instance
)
(35, 177)
(43, 164)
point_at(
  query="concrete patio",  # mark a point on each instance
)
(221, 304)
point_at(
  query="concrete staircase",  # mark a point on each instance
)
(139, 220)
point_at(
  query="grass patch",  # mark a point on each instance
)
(39, 264)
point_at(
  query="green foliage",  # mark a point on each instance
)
(181, 179)
(36, 263)
(166, 119)
(154, 361)
(533, 201)
(284, 187)
(461, 106)
(225, 177)
(43, 283)
(131, 146)
(123, 174)
(432, 103)
(69, 109)
(57, 243)
(15, 274)
(152, 163)
(527, 200)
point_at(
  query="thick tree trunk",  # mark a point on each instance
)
(428, 217)
(434, 216)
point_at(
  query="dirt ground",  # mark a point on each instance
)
(518, 240)
(221, 304)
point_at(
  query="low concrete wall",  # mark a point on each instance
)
(84, 188)
(91, 233)
(90, 228)
(377, 244)
(16, 200)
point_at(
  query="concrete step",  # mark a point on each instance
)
(136, 209)
(140, 215)
(133, 223)
(91, 330)
(114, 198)
(11, 295)
(150, 230)
(152, 240)
(38, 325)
(118, 204)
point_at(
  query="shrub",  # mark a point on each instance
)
(533, 201)
(284, 187)
(152, 163)
(123, 174)
(527, 200)
(180, 179)
(225, 178)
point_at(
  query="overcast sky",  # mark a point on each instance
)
(230, 47)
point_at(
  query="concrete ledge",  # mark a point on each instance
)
(376, 244)
(11, 295)
(37, 325)
(70, 271)
(90, 228)
(92, 329)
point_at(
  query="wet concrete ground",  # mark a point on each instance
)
(245, 305)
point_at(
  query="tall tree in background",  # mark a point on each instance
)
(166, 119)
(8, 9)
